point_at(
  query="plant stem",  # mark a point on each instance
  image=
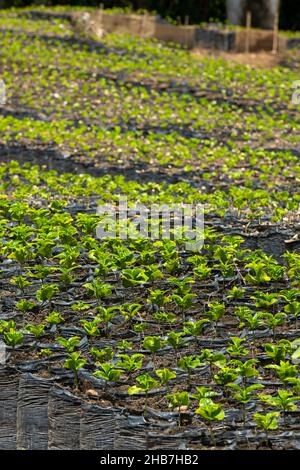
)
(75, 379)
(212, 436)
(145, 404)
(244, 414)
(267, 438)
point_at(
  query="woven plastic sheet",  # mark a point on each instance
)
(32, 415)
(97, 428)
(131, 433)
(64, 411)
(9, 386)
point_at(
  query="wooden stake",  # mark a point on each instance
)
(143, 25)
(186, 33)
(101, 13)
(275, 33)
(248, 31)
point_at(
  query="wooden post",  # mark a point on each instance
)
(186, 32)
(101, 6)
(275, 34)
(248, 31)
(143, 25)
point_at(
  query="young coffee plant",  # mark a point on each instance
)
(236, 347)
(146, 383)
(215, 312)
(268, 422)
(165, 375)
(130, 363)
(152, 344)
(210, 412)
(107, 372)
(98, 289)
(284, 370)
(194, 328)
(175, 340)
(69, 344)
(105, 354)
(179, 401)
(75, 362)
(284, 401)
(277, 352)
(188, 363)
(46, 293)
(204, 392)
(13, 337)
(243, 395)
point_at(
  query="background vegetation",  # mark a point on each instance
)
(198, 10)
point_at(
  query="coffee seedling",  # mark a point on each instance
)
(74, 362)
(179, 401)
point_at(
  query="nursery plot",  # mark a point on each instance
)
(169, 346)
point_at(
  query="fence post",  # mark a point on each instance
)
(101, 14)
(275, 33)
(248, 31)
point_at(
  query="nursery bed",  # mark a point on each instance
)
(82, 320)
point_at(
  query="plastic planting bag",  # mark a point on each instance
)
(131, 433)
(32, 415)
(64, 411)
(97, 428)
(9, 385)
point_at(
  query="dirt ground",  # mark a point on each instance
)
(254, 59)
